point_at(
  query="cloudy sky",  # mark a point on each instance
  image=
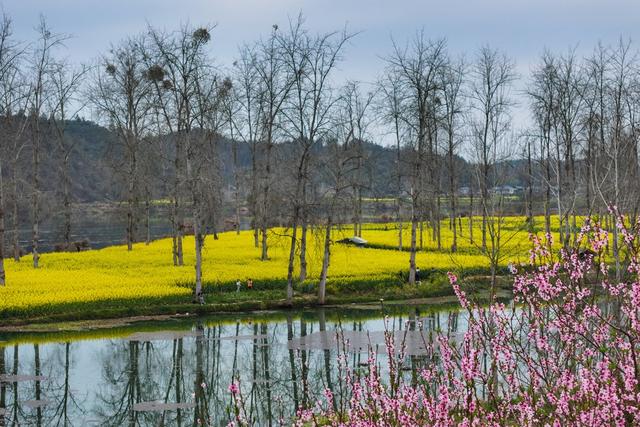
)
(521, 28)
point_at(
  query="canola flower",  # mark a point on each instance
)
(115, 277)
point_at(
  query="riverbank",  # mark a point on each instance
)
(250, 302)
(113, 282)
(43, 332)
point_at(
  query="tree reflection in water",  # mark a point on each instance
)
(181, 376)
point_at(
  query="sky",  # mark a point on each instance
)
(520, 28)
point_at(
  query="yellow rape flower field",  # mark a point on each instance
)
(113, 278)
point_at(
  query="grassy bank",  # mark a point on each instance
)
(113, 282)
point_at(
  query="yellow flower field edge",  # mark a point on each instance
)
(114, 282)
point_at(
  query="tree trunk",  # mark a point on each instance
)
(38, 388)
(264, 256)
(14, 216)
(35, 196)
(471, 216)
(322, 326)
(452, 195)
(356, 210)
(398, 183)
(484, 184)
(530, 220)
(303, 248)
(304, 357)
(3, 386)
(198, 236)
(256, 236)
(412, 255)
(16, 364)
(174, 235)
(483, 230)
(66, 194)
(236, 179)
(559, 196)
(130, 199)
(267, 373)
(326, 259)
(436, 222)
(178, 258)
(179, 245)
(147, 216)
(292, 363)
(265, 202)
(199, 240)
(547, 193)
(254, 197)
(179, 377)
(292, 255)
(399, 232)
(2, 272)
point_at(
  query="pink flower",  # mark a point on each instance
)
(568, 354)
(234, 388)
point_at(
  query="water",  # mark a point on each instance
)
(101, 225)
(177, 371)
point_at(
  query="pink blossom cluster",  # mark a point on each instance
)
(566, 352)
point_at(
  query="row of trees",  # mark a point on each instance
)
(169, 105)
(32, 84)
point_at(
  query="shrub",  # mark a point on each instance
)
(565, 352)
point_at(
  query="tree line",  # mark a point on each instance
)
(170, 104)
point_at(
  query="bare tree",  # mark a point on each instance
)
(311, 60)
(188, 95)
(275, 82)
(2, 272)
(492, 143)
(557, 102)
(390, 111)
(41, 67)
(493, 74)
(232, 108)
(570, 103)
(623, 63)
(343, 155)
(357, 105)
(10, 55)
(174, 60)
(542, 93)
(65, 84)
(417, 69)
(246, 123)
(210, 116)
(15, 102)
(452, 94)
(120, 93)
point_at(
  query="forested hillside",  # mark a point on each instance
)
(96, 164)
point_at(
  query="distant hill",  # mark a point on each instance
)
(93, 166)
(91, 173)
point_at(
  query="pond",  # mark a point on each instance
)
(100, 225)
(176, 371)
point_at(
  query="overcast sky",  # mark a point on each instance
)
(521, 28)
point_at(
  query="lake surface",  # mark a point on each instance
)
(101, 225)
(174, 372)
